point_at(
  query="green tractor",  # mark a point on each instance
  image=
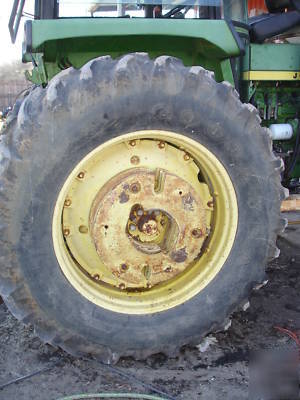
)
(142, 174)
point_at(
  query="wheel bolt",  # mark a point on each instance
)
(132, 227)
(66, 231)
(135, 160)
(161, 145)
(96, 277)
(80, 175)
(122, 286)
(210, 204)
(186, 157)
(132, 143)
(197, 233)
(67, 203)
(135, 187)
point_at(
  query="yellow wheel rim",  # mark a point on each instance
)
(144, 222)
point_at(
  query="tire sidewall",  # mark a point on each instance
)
(60, 139)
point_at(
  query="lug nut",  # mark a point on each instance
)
(135, 160)
(80, 175)
(135, 187)
(186, 157)
(132, 143)
(197, 233)
(122, 286)
(140, 212)
(67, 202)
(96, 277)
(210, 204)
(132, 227)
(66, 231)
(161, 145)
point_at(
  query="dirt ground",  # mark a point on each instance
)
(219, 372)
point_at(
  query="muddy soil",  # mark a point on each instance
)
(219, 372)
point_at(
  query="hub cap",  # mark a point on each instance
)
(136, 231)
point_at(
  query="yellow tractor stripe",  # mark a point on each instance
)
(271, 75)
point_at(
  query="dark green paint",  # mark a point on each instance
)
(75, 41)
(272, 57)
(61, 43)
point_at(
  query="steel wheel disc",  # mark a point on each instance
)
(144, 222)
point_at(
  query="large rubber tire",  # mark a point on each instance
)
(55, 127)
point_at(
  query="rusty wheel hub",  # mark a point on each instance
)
(148, 230)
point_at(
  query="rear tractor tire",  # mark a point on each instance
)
(139, 205)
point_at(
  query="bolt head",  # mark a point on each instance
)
(197, 233)
(135, 160)
(140, 212)
(67, 202)
(66, 231)
(135, 187)
(132, 143)
(80, 175)
(161, 145)
(132, 227)
(186, 157)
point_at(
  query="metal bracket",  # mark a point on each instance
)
(38, 75)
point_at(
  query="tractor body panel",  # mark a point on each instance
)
(75, 41)
(222, 40)
(272, 62)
